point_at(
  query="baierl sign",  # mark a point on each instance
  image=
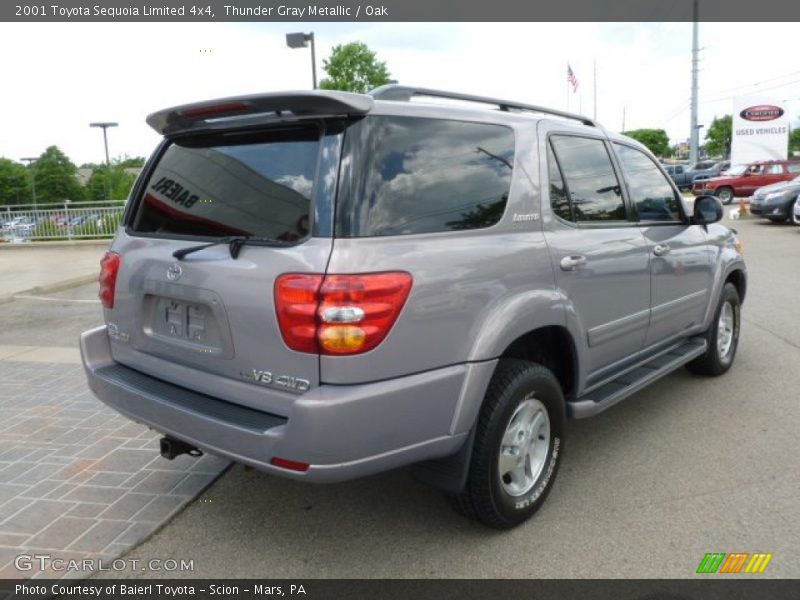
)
(760, 130)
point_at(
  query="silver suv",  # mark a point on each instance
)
(327, 285)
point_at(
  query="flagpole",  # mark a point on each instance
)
(594, 89)
(567, 78)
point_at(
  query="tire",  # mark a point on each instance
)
(719, 355)
(793, 218)
(725, 194)
(524, 405)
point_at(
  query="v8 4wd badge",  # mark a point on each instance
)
(287, 382)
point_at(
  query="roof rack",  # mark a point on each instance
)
(404, 93)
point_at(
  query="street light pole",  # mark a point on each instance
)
(694, 132)
(31, 160)
(301, 40)
(105, 126)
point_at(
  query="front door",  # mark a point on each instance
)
(680, 256)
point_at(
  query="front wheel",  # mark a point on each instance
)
(517, 448)
(725, 194)
(722, 336)
(793, 216)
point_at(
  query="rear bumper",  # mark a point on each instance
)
(341, 431)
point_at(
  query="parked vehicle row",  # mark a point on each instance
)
(771, 186)
(22, 222)
(685, 176)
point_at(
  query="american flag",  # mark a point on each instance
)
(572, 79)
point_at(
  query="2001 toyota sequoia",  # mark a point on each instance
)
(326, 285)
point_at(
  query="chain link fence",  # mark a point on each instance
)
(60, 221)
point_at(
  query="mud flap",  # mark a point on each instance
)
(448, 473)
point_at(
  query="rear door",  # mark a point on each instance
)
(600, 257)
(208, 321)
(681, 262)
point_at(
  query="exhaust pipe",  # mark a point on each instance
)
(170, 448)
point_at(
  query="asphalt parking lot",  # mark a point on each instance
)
(688, 466)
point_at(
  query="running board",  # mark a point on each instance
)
(631, 382)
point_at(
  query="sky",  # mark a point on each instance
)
(59, 77)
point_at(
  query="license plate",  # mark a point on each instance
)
(181, 320)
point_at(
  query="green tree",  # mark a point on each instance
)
(718, 137)
(656, 140)
(353, 67)
(130, 162)
(56, 177)
(14, 183)
(794, 141)
(110, 183)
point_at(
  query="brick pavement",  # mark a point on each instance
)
(78, 480)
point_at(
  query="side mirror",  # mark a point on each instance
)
(707, 210)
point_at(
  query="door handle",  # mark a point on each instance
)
(661, 250)
(570, 263)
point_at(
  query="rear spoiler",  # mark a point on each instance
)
(203, 115)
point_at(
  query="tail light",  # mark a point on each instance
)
(339, 314)
(109, 267)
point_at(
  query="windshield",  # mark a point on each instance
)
(737, 170)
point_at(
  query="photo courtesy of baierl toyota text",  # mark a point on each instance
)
(399, 300)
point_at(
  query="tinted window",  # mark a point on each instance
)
(593, 187)
(403, 175)
(233, 185)
(558, 193)
(679, 170)
(649, 190)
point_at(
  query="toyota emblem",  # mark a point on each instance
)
(174, 272)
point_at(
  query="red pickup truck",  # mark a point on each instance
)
(743, 180)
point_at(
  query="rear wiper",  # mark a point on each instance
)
(235, 244)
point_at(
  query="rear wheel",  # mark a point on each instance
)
(725, 194)
(722, 336)
(518, 446)
(793, 216)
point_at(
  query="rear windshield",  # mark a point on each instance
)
(405, 175)
(256, 184)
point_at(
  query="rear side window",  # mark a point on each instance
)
(257, 184)
(793, 167)
(650, 192)
(406, 175)
(594, 189)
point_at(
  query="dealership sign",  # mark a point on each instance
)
(760, 130)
